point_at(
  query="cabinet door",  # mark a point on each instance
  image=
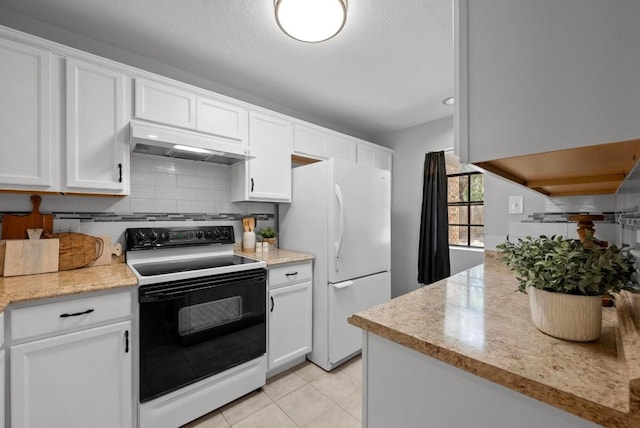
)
(534, 77)
(370, 156)
(289, 323)
(81, 379)
(309, 142)
(222, 119)
(341, 148)
(25, 117)
(96, 128)
(269, 173)
(166, 104)
(322, 144)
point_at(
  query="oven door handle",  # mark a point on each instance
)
(166, 295)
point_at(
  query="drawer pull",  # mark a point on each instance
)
(272, 304)
(77, 314)
(291, 274)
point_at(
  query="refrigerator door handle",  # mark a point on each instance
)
(341, 220)
(343, 284)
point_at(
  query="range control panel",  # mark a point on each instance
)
(155, 237)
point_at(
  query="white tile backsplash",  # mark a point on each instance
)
(153, 178)
(159, 185)
(175, 167)
(196, 206)
(201, 182)
(177, 193)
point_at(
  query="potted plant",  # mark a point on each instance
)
(566, 279)
(268, 235)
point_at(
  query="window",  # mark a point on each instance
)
(466, 209)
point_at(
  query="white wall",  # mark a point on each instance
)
(410, 147)
(496, 207)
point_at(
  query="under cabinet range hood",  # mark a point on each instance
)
(161, 140)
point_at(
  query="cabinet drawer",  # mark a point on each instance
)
(70, 314)
(289, 274)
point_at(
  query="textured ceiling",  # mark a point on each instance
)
(388, 70)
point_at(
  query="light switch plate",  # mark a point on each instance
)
(516, 205)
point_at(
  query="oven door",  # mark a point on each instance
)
(195, 328)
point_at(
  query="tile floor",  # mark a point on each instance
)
(304, 396)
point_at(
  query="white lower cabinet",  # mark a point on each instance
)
(80, 379)
(78, 375)
(290, 314)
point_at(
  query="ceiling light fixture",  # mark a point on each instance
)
(311, 21)
(448, 101)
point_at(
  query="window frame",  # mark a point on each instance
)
(468, 204)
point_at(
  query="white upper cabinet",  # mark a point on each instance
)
(267, 177)
(222, 119)
(375, 157)
(543, 75)
(318, 143)
(175, 106)
(97, 150)
(166, 104)
(25, 117)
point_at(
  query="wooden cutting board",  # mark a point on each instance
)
(105, 257)
(77, 249)
(15, 226)
(30, 256)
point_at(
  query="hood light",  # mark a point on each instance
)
(311, 21)
(152, 136)
(192, 149)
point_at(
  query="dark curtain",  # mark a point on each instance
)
(433, 252)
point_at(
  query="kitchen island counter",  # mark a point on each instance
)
(475, 322)
(63, 283)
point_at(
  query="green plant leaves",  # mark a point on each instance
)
(568, 266)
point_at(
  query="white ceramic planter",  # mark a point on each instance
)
(577, 318)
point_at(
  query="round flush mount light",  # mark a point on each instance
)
(448, 101)
(311, 21)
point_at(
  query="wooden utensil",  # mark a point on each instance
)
(15, 226)
(30, 256)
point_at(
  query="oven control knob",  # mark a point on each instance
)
(223, 234)
(200, 234)
(140, 237)
(153, 236)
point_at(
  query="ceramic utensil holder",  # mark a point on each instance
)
(249, 242)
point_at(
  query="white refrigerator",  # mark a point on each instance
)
(341, 213)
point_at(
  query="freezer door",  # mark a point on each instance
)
(347, 298)
(359, 221)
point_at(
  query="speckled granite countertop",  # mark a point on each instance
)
(476, 322)
(276, 256)
(117, 275)
(33, 287)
